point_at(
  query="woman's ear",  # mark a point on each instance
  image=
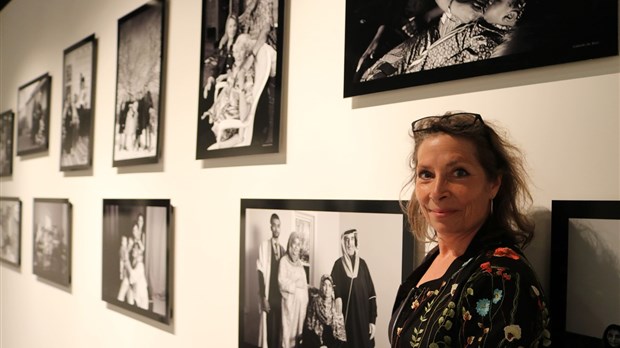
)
(495, 185)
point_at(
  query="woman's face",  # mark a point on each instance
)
(231, 27)
(136, 231)
(238, 52)
(327, 289)
(613, 337)
(451, 186)
(294, 249)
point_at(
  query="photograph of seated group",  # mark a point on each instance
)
(138, 256)
(240, 78)
(403, 43)
(319, 273)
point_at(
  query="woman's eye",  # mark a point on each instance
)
(424, 174)
(460, 173)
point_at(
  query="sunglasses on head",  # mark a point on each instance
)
(452, 122)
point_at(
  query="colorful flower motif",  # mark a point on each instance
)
(482, 306)
(415, 304)
(486, 267)
(512, 332)
(470, 339)
(453, 289)
(506, 276)
(466, 316)
(500, 271)
(506, 252)
(497, 295)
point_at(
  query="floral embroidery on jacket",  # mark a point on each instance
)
(492, 300)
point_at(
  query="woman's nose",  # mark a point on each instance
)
(439, 188)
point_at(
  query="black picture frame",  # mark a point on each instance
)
(385, 244)
(78, 90)
(11, 232)
(51, 239)
(7, 125)
(150, 292)
(576, 248)
(225, 126)
(33, 115)
(140, 85)
(546, 33)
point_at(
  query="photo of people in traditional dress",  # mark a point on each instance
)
(135, 262)
(317, 278)
(7, 120)
(52, 240)
(76, 143)
(10, 230)
(239, 99)
(33, 111)
(385, 39)
(138, 87)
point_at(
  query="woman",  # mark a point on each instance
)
(475, 288)
(294, 289)
(324, 323)
(611, 336)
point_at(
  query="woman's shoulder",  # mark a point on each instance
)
(502, 257)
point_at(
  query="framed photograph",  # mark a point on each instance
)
(240, 78)
(33, 115)
(139, 78)
(10, 230)
(409, 43)
(78, 92)
(138, 256)
(7, 120)
(51, 252)
(585, 277)
(291, 251)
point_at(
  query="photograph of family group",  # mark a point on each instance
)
(401, 43)
(77, 115)
(137, 256)
(52, 240)
(139, 85)
(10, 230)
(33, 115)
(319, 274)
(7, 122)
(240, 78)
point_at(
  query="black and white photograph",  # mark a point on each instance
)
(77, 105)
(7, 122)
(397, 44)
(586, 245)
(240, 78)
(303, 261)
(138, 256)
(51, 259)
(139, 79)
(33, 115)
(10, 230)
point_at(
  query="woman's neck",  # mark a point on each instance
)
(454, 245)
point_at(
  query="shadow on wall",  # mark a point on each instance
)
(538, 252)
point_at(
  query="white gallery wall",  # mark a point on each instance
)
(566, 118)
